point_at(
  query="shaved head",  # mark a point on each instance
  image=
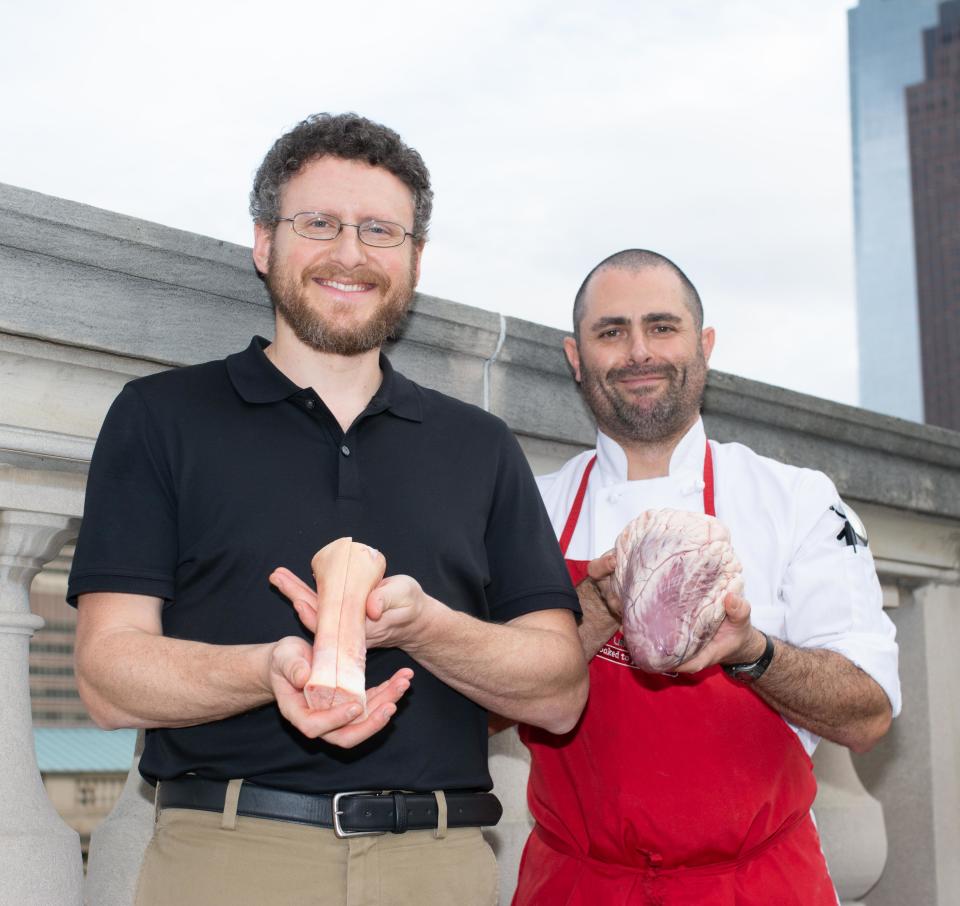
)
(634, 261)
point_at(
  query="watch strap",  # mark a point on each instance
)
(749, 673)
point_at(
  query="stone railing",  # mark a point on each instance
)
(89, 299)
(39, 855)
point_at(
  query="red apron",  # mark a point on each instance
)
(671, 791)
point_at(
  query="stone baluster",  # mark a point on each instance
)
(118, 844)
(851, 824)
(509, 768)
(40, 862)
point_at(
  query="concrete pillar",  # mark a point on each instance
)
(509, 768)
(118, 844)
(915, 769)
(941, 608)
(851, 825)
(40, 861)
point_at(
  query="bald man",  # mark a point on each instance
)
(695, 788)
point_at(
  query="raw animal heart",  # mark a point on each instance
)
(673, 571)
(346, 572)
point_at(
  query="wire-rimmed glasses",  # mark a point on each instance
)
(381, 234)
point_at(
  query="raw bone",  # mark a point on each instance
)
(346, 572)
(673, 571)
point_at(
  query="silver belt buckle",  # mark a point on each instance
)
(338, 828)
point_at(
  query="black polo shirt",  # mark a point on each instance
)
(206, 478)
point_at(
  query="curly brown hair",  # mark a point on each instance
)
(350, 137)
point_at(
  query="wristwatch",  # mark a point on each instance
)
(749, 673)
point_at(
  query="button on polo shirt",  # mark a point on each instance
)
(207, 478)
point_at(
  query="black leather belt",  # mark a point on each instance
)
(349, 814)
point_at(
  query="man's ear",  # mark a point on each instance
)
(707, 339)
(262, 243)
(572, 353)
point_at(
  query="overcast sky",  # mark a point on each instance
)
(556, 132)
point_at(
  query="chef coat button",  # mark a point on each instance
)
(345, 450)
(613, 498)
(310, 404)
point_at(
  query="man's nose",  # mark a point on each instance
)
(347, 249)
(639, 351)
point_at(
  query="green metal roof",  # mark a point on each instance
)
(68, 749)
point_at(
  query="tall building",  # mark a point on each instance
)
(933, 114)
(886, 55)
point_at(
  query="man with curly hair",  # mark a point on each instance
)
(211, 488)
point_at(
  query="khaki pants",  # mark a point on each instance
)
(205, 859)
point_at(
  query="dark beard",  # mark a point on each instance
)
(631, 421)
(323, 333)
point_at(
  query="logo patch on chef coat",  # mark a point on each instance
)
(854, 532)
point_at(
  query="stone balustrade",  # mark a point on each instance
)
(89, 299)
(40, 862)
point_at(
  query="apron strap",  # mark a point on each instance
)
(574, 516)
(708, 505)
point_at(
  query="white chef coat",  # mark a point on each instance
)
(804, 584)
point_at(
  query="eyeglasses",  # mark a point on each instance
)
(380, 234)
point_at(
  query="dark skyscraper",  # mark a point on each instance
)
(933, 115)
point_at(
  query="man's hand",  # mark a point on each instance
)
(602, 608)
(289, 670)
(131, 675)
(394, 607)
(814, 688)
(600, 571)
(301, 596)
(394, 611)
(529, 669)
(735, 641)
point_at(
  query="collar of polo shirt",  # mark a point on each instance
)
(258, 380)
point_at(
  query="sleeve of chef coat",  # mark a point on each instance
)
(831, 592)
(128, 538)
